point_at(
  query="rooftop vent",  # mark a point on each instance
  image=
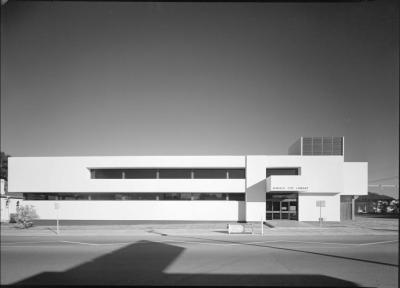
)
(326, 145)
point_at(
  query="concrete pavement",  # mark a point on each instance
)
(299, 260)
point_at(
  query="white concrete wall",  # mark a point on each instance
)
(140, 210)
(355, 178)
(11, 208)
(72, 174)
(324, 174)
(308, 210)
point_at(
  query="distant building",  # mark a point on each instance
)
(314, 179)
(373, 203)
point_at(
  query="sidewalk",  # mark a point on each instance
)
(360, 227)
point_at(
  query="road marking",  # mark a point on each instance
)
(19, 244)
(93, 244)
(30, 242)
(381, 242)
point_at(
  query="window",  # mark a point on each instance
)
(209, 173)
(135, 196)
(236, 173)
(106, 173)
(212, 196)
(140, 173)
(164, 173)
(175, 173)
(236, 196)
(282, 171)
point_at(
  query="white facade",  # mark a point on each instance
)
(320, 178)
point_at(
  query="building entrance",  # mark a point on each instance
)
(281, 206)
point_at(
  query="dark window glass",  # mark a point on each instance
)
(282, 171)
(143, 196)
(172, 196)
(236, 173)
(140, 173)
(186, 196)
(34, 196)
(276, 206)
(175, 173)
(212, 196)
(103, 196)
(135, 196)
(236, 196)
(285, 206)
(68, 197)
(209, 173)
(269, 205)
(82, 196)
(107, 173)
(268, 216)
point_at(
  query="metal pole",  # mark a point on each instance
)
(320, 222)
(262, 227)
(58, 229)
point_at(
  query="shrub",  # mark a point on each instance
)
(25, 216)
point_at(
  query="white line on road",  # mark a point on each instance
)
(19, 244)
(381, 242)
(94, 244)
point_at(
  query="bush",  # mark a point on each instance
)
(25, 216)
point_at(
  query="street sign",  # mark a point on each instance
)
(56, 206)
(320, 203)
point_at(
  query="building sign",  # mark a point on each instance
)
(290, 188)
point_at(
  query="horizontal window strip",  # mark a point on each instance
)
(135, 196)
(168, 173)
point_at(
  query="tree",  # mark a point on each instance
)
(4, 165)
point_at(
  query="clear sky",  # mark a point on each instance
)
(83, 78)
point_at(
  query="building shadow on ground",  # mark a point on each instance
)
(144, 262)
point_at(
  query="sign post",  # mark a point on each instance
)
(320, 204)
(56, 207)
(262, 226)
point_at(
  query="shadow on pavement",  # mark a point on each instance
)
(143, 263)
(296, 250)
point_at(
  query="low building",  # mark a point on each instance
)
(313, 182)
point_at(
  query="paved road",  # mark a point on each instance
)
(183, 260)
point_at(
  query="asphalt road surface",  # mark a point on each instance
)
(303, 261)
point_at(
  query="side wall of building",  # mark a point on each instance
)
(141, 210)
(355, 178)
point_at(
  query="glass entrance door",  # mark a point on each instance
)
(281, 206)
